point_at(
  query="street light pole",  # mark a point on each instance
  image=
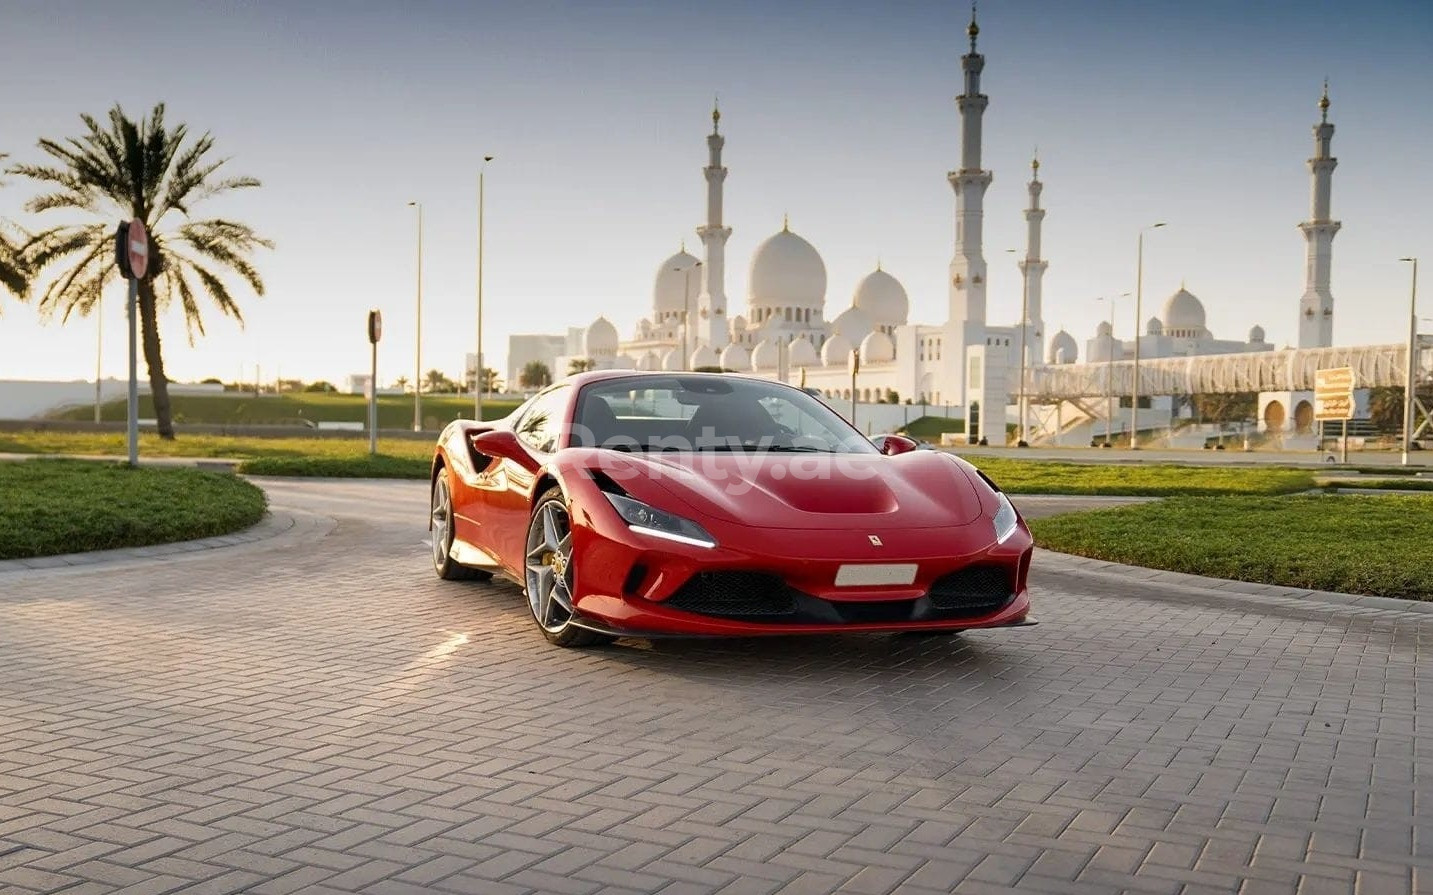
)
(478, 364)
(99, 348)
(418, 350)
(1138, 313)
(1412, 378)
(686, 273)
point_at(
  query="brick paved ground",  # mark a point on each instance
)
(322, 714)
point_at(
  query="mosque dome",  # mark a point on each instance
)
(649, 361)
(803, 354)
(738, 322)
(836, 351)
(853, 323)
(882, 298)
(735, 357)
(766, 355)
(877, 348)
(1256, 334)
(1154, 327)
(1104, 330)
(1183, 312)
(672, 360)
(703, 356)
(601, 338)
(787, 271)
(669, 294)
(1062, 344)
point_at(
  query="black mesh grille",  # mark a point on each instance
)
(974, 591)
(734, 593)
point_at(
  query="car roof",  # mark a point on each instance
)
(580, 379)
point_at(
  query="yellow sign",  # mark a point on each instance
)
(1333, 394)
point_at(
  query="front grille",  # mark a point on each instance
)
(978, 590)
(734, 594)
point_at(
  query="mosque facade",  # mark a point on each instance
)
(786, 331)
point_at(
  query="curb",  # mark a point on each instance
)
(279, 524)
(1245, 592)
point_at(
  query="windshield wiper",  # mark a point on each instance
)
(800, 449)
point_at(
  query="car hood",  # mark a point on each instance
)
(812, 491)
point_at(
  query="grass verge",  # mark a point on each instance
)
(69, 506)
(1356, 544)
(229, 409)
(382, 466)
(1154, 480)
(113, 444)
(1385, 485)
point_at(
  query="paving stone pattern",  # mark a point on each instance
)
(324, 715)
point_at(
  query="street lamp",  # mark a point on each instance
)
(1110, 368)
(1023, 441)
(1138, 323)
(478, 364)
(1412, 377)
(418, 351)
(686, 273)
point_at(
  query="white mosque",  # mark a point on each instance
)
(786, 331)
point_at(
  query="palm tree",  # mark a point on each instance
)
(12, 268)
(1385, 408)
(579, 365)
(140, 169)
(436, 381)
(535, 374)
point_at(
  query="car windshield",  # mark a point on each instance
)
(709, 413)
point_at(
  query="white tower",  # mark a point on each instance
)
(1033, 269)
(967, 267)
(1316, 307)
(712, 328)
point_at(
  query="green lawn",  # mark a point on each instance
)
(1375, 544)
(232, 408)
(1405, 484)
(113, 444)
(930, 428)
(1020, 476)
(69, 506)
(383, 466)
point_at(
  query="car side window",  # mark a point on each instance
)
(541, 425)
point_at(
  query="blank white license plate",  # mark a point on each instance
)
(867, 574)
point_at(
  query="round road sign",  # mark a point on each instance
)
(138, 247)
(375, 326)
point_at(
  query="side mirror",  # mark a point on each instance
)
(891, 445)
(504, 445)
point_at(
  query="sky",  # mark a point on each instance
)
(840, 114)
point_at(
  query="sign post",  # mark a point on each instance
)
(1333, 400)
(131, 256)
(375, 332)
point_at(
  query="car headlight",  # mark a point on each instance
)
(1006, 521)
(649, 520)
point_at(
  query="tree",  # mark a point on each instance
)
(402, 383)
(1385, 408)
(491, 383)
(146, 170)
(579, 365)
(13, 273)
(436, 381)
(535, 374)
(320, 386)
(1226, 407)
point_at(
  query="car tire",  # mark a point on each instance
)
(549, 573)
(440, 522)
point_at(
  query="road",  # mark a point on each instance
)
(1422, 460)
(317, 712)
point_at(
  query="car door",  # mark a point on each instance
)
(538, 430)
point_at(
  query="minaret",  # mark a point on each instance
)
(1316, 307)
(967, 267)
(1033, 269)
(713, 329)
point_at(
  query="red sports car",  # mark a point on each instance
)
(651, 504)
